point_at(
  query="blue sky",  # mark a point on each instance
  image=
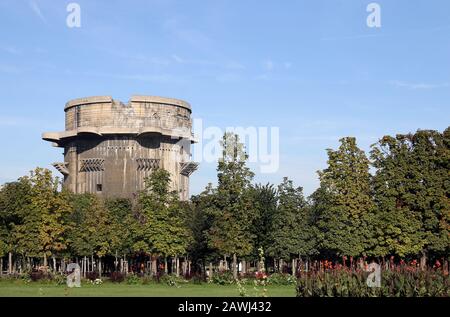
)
(312, 68)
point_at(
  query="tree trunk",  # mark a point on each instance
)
(244, 267)
(294, 267)
(184, 267)
(100, 267)
(92, 263)
(45, 259)
(172, 266)
(1, 266)
(54, 264)
(154, 266)
(177, 265)
(234, 266)
(86, 265)
(10, 264)
(116, 263)
(63, 265)
(165, 266)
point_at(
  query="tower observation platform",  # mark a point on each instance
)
(111, 147)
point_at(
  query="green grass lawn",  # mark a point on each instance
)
(36, 289)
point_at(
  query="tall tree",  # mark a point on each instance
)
(344, 223)
(397, 226)
(200, 221)
(164, 227)
(230, 232)
(292, 233)
(125, 225)
(411, 191)
(14, 201)
(42, 229)
(92, 228)
(265, 206)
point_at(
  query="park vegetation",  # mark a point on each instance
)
(391, 205)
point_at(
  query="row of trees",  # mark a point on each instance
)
(38, 221)
(396, 202)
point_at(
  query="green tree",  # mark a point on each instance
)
(292, 233)
(345, 220)
(124, 224)
(92, 231)
(165, 229)
(231, 232)
(42, 230)
(265, 207)
(411, 192)
(14, 201)
(199, 223)
(397, 226)
(431, 153)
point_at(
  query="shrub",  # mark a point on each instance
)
(133, 279)
(398, 283)
(38, 276)
(198, 278)
(172, 280)
(97, 281)
(59, 279)
(222, 278)
(117, 277)
(281, 279)
(92, 276)
(147, 279)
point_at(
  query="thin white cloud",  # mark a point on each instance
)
(416, 86)
(228, 77)
(191, 36)
(139, 58)
(177, 59)
(263, 77)
(155, 78)
(11, 50)
(287, 65)
(351, 37)
(268, 65)
(34, 6)
(10, 69)
(182, 60)
(21, 121)
(234, 65)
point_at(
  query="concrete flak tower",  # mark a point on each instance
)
(111, 147)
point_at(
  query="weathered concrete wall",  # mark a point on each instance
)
(110, 147)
